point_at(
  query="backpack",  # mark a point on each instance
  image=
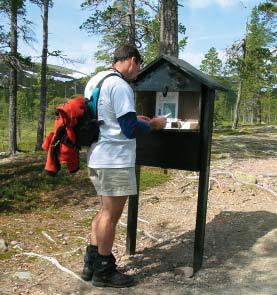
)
(76, 124)
(87, 129)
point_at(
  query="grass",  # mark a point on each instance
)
(152, 177)
(26, 136)
(25, 187)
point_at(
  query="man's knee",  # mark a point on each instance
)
(113, 205)
(111, 216)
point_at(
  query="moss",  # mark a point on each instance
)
(6, 255)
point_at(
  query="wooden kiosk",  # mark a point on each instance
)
(170, 86)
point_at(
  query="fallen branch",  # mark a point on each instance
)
(69, 252)
(55, 262)
(183, 188)
(216, 181)
(45, 234)
(141, 231)
(149, 198)
(146, 233)
(246, 183)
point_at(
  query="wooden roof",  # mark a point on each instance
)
(187, 69)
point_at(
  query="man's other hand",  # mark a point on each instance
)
(143, 118)
(157, 123)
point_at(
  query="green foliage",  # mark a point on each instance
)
(5, 6)
(40, 3)
(252, 61)
(211, 64)
(112, 22)
(268, 9)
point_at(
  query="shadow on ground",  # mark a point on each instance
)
(244, 143)
(227, 234)
(24, 186)
(235, 244)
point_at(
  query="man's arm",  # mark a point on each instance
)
(132, 127)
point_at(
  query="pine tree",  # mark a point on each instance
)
(258, 63)
(252, 63)
(211, 64)
(169, 27)
(113, 22)
(11, 9)
(44, 5)
(14, 10)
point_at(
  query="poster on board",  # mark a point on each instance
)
(167, 105)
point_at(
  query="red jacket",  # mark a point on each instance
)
(61, 141)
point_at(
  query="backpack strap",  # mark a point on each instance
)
(93, 103)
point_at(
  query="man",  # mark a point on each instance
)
(111, 162)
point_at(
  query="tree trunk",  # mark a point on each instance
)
(132, 24)
(43, 86)
(236, 113)
(258, 109)
(169, 28)
(13, 81)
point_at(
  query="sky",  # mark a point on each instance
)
(209, 23)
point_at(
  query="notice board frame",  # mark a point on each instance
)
(205, 139)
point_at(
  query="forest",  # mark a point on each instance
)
(45, 221)
(30, 90)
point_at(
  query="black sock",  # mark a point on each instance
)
(92, 248)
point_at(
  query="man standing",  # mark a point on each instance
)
(111, 162)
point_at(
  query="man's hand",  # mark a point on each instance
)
(143, 118)
(157, 123)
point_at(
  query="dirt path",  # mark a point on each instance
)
(240, 246)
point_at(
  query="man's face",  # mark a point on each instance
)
(134, 68)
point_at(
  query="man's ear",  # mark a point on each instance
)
(133, 59)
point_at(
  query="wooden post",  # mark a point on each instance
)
(132, 218)
(206, 127)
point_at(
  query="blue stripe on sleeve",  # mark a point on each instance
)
(131, 127)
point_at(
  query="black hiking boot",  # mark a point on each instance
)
(89, 259)
(106, 275)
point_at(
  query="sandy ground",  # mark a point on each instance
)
(240, 245)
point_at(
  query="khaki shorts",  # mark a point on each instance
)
(114, 181)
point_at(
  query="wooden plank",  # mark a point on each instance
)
(169, 149)
(206, 126)
(189, 105)
(132, 218)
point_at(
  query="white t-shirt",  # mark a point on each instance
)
(113, 149)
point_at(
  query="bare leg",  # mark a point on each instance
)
(105, 224)
(94, 224)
